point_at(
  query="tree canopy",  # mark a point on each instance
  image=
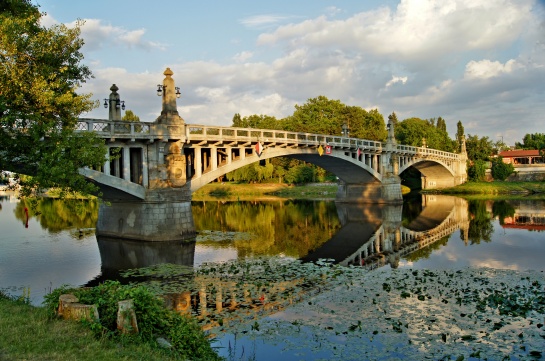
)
(40, 73)
(130, 116)
(532, 141)
(413, 131)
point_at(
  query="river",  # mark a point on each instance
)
(51, 243)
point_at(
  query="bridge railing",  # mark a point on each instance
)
(207, 133)
(270, 136)
(421, 151)
(115, 128)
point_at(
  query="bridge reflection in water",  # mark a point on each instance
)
(370, 236)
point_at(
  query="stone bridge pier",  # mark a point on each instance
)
(366, 189)
(156, 202)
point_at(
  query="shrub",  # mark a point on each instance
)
(476, 172)
(154, 319)
(501, 170)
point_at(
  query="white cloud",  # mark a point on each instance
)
(485, 69)
(260, 21)
(96, 35)
(243, 56)
(416, 30)
(443, 47)
(396, 79)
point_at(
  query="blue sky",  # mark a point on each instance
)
(478, 61)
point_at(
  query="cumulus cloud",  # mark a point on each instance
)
(471, 60)
(97, 35)
(396, 79)
(243, 56)
(485, 69)
(415, 29)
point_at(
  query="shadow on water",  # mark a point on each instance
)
(120, 254)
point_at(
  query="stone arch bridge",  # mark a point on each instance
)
(153, 167)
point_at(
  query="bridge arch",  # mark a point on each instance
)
(342, 164)
(435, 173)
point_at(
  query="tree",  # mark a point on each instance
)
(366, 124)
(532, 141)
(324, 116)
(441, 124)
(459, 134)
(130, 116)
(40, 73)
(479, 148)
(413, 131)
(255, 121)
(318, 115)
(237, 120)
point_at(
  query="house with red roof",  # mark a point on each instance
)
(522, 157)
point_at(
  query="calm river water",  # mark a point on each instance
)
(55, 243)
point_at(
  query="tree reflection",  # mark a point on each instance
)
(292, 228)
(480, 222)
(502, 209)
(57, 215)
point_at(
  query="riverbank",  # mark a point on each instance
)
(472, 313)
(524, 189)
(26, 333)
(264, 191)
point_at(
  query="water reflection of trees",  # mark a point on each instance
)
(503, 209)
(56, 215)
(292, 228)
(480, 222)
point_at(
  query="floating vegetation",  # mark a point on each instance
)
(221, 236)
(358, 314)
(415, 315)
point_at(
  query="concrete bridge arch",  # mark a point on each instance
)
(340, 163)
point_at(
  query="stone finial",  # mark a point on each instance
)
(115, 111)
(391, 131)
(169, 113)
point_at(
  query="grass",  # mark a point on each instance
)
(495, 188)
(27, 333)
(243, 191)
(263, 191)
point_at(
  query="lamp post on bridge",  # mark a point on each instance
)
(169, 92)
(115, 104)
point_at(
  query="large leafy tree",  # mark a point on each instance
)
(40, 74)
(318, 115)
(325, 116)
(479, 148)
(532, 141)
(413, 131)
(255, 121)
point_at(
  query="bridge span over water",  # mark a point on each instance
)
(153, 167)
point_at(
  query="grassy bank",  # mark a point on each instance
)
(241, 191)
(26, 333)
(263, 191)
(523, 189)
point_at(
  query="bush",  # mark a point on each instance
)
(154, 319)
(501, 170)
(476, 172)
